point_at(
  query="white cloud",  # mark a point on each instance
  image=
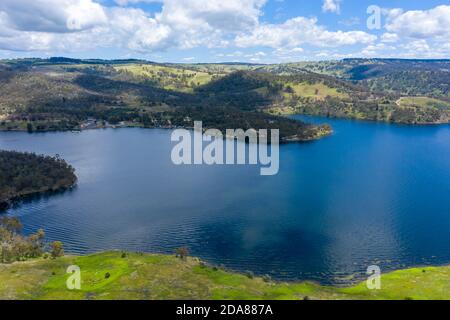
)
(288, 54)
(332, 6)
(208, 23)
(334, 55)
(38, 25)
(84, 25)
(229, 15)
(419, 33)
(124, 3)
(433, 23)
(134, 30)
(123, 28)
(389, 37)
(56, 16)
(259, 54)
(283, 52)
(418, 46)
(298, 31)
(376, 50)
(49, 25)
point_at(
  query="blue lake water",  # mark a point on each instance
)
(370, 194)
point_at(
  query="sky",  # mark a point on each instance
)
(256, 31)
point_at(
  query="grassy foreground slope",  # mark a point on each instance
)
(113, 275)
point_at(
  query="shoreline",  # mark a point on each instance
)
(286, 112)
(322, 131)
(344, 281)
(144, 276)
(24, 196)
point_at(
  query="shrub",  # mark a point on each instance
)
(56, 249)
(182, 253)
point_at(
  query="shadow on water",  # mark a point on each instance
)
(17, 203)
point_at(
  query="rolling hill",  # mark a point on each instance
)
(62, 93)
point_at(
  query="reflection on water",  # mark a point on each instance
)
(370, 194)
(17, 203)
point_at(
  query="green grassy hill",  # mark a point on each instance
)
(174, 78)
(116, 275)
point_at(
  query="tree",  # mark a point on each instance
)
(289, 90)
(11, 224)
(182, 253)
(36, 243)
(56, 249)
(16, 247)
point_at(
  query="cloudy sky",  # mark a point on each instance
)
(259, 31)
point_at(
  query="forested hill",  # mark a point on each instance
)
(66, 94)
(402, 76)
(23, 174)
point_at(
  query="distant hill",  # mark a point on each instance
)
(60, 93)
(41, 96)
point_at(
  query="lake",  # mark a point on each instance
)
(372, 193)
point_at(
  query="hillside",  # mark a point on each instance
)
(43, 96)
(131, 276)
(398, 76)
(384, 82)
(62, 94)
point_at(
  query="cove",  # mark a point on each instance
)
(371, 193)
